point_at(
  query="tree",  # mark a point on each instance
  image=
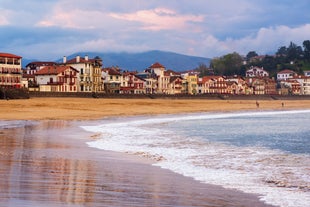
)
(229, 64)
(282, 51)
(294, 52)
(306, 45)
(251, 54)
(204, 70)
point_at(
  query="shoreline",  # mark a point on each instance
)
(57, 131)
(64, 171)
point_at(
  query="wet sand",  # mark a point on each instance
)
(47, 163)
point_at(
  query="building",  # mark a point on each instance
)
(176, 85)
(57, 79)
(10, 70)
(33, 67)
(132, 84)
(307, 73)
(256, 72)
(89, 72)
(163, 78)
(112, 79)
(286, 74)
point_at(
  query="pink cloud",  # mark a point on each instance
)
(159, 19)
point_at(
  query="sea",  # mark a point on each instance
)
(259, 152)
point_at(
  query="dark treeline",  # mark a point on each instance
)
(293, 57)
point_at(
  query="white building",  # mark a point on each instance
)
(10, 71)
(286, 74)
(256, 72)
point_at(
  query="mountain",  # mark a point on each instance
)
(141, 61)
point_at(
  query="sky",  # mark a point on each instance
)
(50, 29)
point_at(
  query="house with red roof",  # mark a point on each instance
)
(132, 84)
(90, 79)
(111, 78)
(163, 78)
(286, 74)
(57, 78)
(176, 85)
(10, 70)
(255, 71)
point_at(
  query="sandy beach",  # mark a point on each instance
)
(44, 159)
(91, 109)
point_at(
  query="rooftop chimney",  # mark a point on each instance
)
(64, 60)
(86, 57)
(77, 58)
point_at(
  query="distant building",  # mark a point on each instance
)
(256, 72)
(286, 74)
(307, 73)
(10, 70)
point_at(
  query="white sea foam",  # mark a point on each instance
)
(280, 178)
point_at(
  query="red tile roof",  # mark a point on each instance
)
(41, 63)
(53, 70)
(111, 71)
(8, 55)
(286, 71)
(157, 65)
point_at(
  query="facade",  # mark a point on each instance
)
(304, 82)
(307, 73)
(218, 85)
(112, 79)
(89, 73)
(286, 74)
(57, 79)
(33, 67)
(10, 70)
(256, 72)
(151, 83)
(242, 86)
(176, 85)
(163, 78)
(132, 84)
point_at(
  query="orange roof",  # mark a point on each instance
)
(53, 70)
(8, 55)
(111, 71)
(157, 65)
(286, 71)
(41, 63)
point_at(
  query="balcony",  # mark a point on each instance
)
(55, 83)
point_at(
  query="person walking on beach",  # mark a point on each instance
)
(257, 104)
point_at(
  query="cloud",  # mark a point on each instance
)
(159, 19)
(266, 40)
(3, 17)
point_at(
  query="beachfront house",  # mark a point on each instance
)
(89, 72)
(163, 78)
(10, 70)
(57, 79)
(112, 79)
(218, 85)
(132, 84)
(176, 85)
